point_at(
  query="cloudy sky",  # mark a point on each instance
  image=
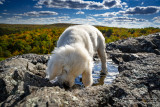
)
(113, 13)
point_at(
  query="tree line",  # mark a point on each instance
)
(42, 39)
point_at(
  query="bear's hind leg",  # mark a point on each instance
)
(102, 55)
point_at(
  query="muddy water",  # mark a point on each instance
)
(100, 80)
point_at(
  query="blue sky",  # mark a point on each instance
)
(113, 13)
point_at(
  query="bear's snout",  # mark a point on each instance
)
(66, 85)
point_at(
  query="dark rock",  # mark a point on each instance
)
(23, 82)
(40, 66)
(150, 43)
(3, 90)
(17, 76)
(118, 58)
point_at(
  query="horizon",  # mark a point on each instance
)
(110, 13)
(80, 24)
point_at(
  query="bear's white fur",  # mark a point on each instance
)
(73, 55)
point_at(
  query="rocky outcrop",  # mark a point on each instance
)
(131, 48)
(149, 44)
(23, 83)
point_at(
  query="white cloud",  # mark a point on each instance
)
(127, 19)
(80, 12)
(156, 20)
(123, 20)
(127, 22)
(81, 4)
(17, 17)
(130, 24)
(39, 13)
(112, 3)
(131, 11)
(1, 1)
(36, 20)
(96, 6)
(107, 14)
(142, 3)
(87, 20)
(124, 3)
(141, 10)
(36, 6)
(14, 18)
(5, 13)
(50, 20)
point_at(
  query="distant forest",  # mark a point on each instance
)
(41, 39)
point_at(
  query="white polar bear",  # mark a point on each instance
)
(74, 55)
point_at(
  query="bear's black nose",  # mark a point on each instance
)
(66, 85)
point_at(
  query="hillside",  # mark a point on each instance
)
(41, 39)
(6, 29)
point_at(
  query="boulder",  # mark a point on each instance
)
(149, 44)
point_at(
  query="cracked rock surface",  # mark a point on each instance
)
(23, 83)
